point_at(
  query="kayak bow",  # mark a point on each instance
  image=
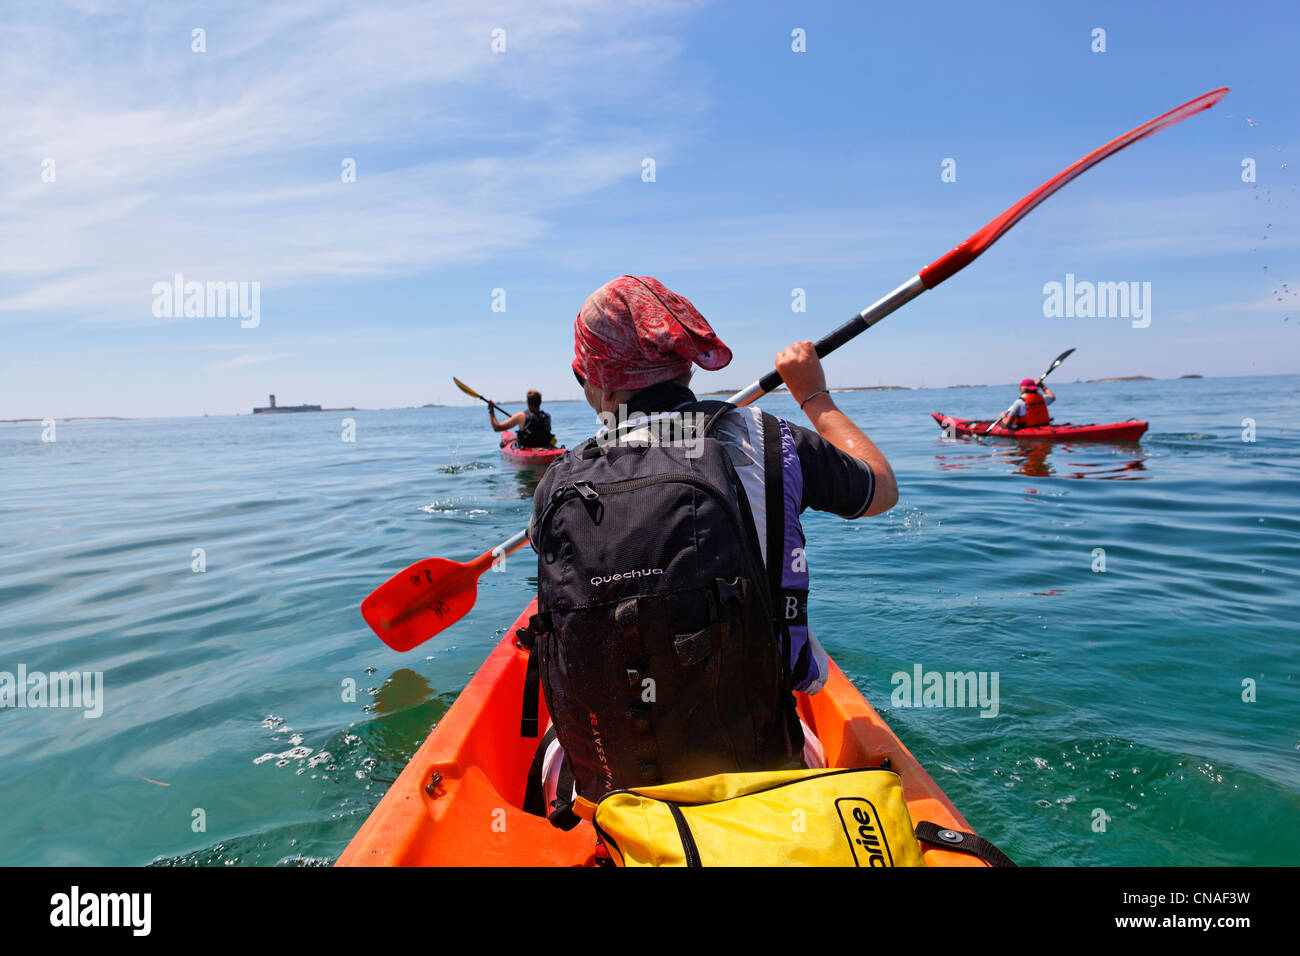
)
(459, 800)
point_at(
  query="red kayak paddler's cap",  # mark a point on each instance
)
(635, 332)
(1029, 383)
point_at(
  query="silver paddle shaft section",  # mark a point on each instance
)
(509, 546)
(864, 320)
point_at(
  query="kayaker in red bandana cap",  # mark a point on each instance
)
(635, 345)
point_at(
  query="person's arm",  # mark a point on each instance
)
(1048, 397)
(801, 370)
(1008, 418)
(514, 421)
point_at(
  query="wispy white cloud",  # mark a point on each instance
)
(225, 165)
(250, 358)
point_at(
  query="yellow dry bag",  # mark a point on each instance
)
(837, 817)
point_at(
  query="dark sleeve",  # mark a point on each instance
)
(832, 480)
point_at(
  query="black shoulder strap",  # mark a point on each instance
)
(962, 842)
(526, 638)
(773, 482)
(774, 507)
(715, 411)
(774, 499)
(532, 685)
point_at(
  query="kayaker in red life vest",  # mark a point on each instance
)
(533, 426)
(635, 342)
(1030, 410)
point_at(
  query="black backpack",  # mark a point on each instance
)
(654, 639)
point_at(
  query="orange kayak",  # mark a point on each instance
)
(458, 802)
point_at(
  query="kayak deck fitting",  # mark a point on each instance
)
(1130, 430)
(458, 801)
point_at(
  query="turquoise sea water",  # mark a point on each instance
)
(226, 736)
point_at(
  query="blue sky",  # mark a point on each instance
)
(521, 170)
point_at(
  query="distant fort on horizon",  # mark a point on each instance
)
(274, 409)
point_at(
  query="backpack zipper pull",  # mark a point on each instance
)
(587, 490)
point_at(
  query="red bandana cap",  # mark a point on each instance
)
(635, 332)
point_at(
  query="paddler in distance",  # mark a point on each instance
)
(1030, 410)
(532, 425)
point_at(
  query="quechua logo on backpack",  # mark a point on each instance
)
(625, 575)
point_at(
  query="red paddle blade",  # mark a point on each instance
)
(957, 259)
(423, 600)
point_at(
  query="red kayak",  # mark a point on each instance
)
(1130, 430)
(533, 456)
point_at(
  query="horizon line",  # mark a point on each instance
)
(557, 401)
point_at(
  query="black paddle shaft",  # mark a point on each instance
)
(854, 326)
(849, 330)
